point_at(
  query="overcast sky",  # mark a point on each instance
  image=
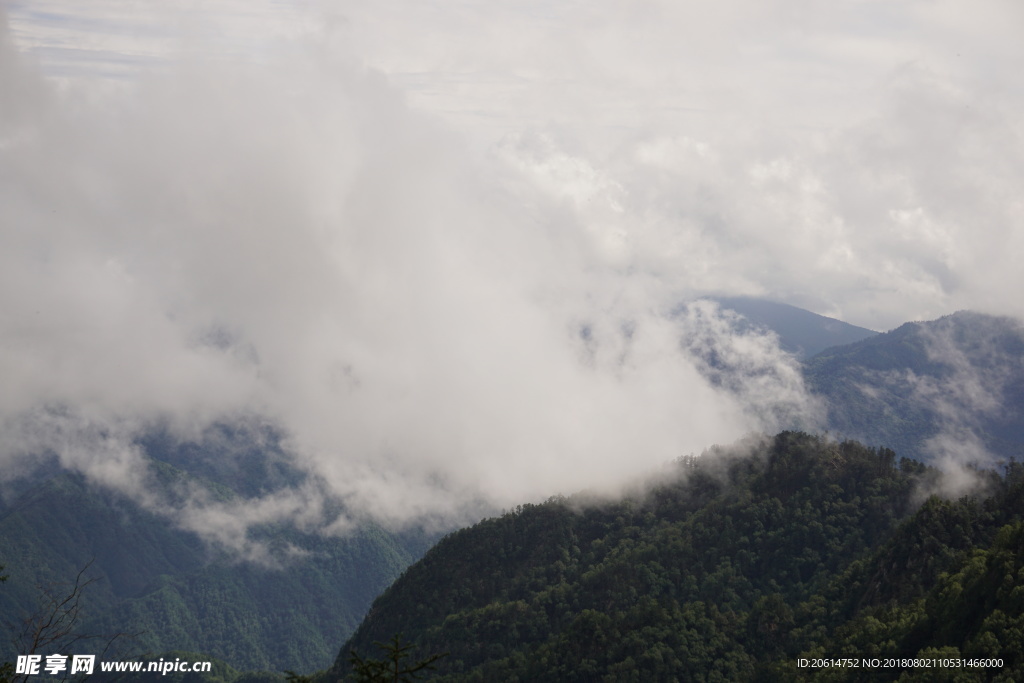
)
(437, 243)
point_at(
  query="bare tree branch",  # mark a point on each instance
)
(54, 628)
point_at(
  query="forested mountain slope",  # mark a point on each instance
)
(178, 593)
(930, 389)
(730, 568)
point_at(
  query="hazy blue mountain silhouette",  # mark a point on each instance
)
(801, 332)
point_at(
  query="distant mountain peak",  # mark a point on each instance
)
(801, 332)
(951, 388)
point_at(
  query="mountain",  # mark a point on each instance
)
(800, 332)
(929, 389)
(733, 566)
(176, 592)
(798, 535)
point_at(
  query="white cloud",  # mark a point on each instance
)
(290, 217)
(295, 243)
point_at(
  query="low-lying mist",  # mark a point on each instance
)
(290, 244)
(437, 320)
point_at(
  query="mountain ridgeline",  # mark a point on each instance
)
(801, 333)
(172, 591)
(735, 565)
(951, 388)
(948, 388)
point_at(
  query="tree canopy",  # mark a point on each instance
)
(730, 569)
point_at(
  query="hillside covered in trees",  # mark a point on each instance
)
(733, 566)
(723, 538)
(929, 389)
(171, 591)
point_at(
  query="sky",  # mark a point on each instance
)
(441, 246)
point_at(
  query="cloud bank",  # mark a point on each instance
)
(443, 249)
(292, 243)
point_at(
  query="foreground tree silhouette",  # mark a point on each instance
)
(55, 627)
(391, 669)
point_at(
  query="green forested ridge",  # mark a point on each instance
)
(963, 372)
(728, 572)
(810, 547)
(177, 593)
(246, 458)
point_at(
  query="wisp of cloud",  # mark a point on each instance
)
(443, 252)
(430, 332)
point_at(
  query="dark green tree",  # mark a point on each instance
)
(392, 668)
